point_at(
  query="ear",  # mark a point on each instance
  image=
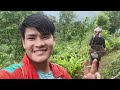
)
(23, 43)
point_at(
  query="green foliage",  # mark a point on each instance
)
(65, 24)
(116, 43)
(113, 70)
(66, 17)
(71, 48)
(6, 56)
(117, 33)
(73, 66)
(103, 21)
(52, 18)
(70, 57)
(112, 42)
(114, 18)
(104, 74)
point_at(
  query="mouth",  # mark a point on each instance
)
(40, 51)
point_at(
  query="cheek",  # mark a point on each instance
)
(50, 45)
(28, 46)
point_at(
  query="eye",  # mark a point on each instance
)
(31, 38)
(46, 36)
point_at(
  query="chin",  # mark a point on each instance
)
(40, 59)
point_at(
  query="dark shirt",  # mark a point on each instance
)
(97, 40)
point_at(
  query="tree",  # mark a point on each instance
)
(82, 29)
(103, 21)
(52, 18)
(66, 19)
(114, 18)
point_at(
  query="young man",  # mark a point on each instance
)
(97, 44)
(38, 41)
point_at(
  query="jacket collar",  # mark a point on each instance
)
(54, 67)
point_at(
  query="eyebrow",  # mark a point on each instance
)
(31, 35)
(34, 35)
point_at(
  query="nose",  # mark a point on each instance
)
(39, 42)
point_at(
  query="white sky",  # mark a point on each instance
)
(79, 14)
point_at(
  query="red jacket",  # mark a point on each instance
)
(25, 70)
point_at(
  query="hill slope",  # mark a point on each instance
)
(106, 63)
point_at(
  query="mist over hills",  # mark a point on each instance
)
(80, 15)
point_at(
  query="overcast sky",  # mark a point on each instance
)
(79, 14)
(55, 13)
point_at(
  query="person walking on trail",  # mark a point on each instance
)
(97, 46)
(38, 40)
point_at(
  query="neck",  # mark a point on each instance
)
(42, 66)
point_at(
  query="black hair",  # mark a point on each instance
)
(39, 21)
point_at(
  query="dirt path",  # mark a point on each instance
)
(107, 59)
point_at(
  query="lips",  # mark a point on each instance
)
(40, 51)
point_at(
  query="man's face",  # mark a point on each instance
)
(37, 46)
